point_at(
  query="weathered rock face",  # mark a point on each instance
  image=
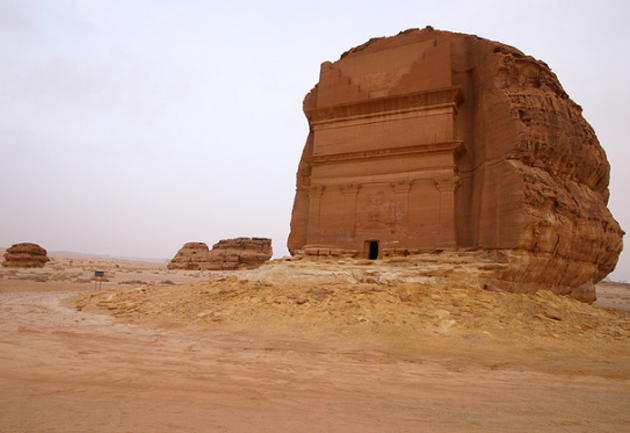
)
(432, 141)
(193, 255)
(227, 254)
(240, 253)
(25, 255)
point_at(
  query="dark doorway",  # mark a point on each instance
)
(373, 254)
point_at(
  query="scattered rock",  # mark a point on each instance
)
(204, 314)
(290, 308)
(441, 314)
(405, 297)
(491, 288)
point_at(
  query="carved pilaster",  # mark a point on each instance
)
(315, 194)
(447, 186)
(401, 190)
(350, 192)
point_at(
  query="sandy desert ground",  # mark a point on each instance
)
(153, 350)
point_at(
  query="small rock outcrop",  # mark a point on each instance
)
(227, 254)
(240, 253)
(193, 256)
(25, 255)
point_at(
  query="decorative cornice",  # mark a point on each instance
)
(417, 100)
(450, 146)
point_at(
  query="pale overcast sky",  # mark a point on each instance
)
(129, 127)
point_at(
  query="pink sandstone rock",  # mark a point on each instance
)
(431, 140)
(25, 255)
(240, 253)
(227, 254)
(193, 256)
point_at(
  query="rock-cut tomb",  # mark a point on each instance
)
(435, 141)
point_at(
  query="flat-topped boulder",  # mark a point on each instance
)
(25, 255)
(434, 141)
(193, 256)
(240, 253)
(227, 254)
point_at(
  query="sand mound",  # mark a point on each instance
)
(401, 318)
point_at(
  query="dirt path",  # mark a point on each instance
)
(68, 371)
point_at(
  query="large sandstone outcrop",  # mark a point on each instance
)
(25, 255)
(227, 254)
(240, 253)
(430, 141)
(193, 255)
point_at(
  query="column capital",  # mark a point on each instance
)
(349, 189)
(316, 191)
(401, 186)
(447, 184)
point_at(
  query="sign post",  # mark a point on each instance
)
(98, 278)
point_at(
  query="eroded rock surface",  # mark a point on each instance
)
(432, 141)
(227, 254)
(240, 253)
(25, 255)
(193, 256)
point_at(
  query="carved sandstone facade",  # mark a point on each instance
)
(433, 140)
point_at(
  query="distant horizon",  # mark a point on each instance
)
(608, 278)
(96, 255)
(115, 257)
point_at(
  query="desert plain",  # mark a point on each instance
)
(147, 349)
